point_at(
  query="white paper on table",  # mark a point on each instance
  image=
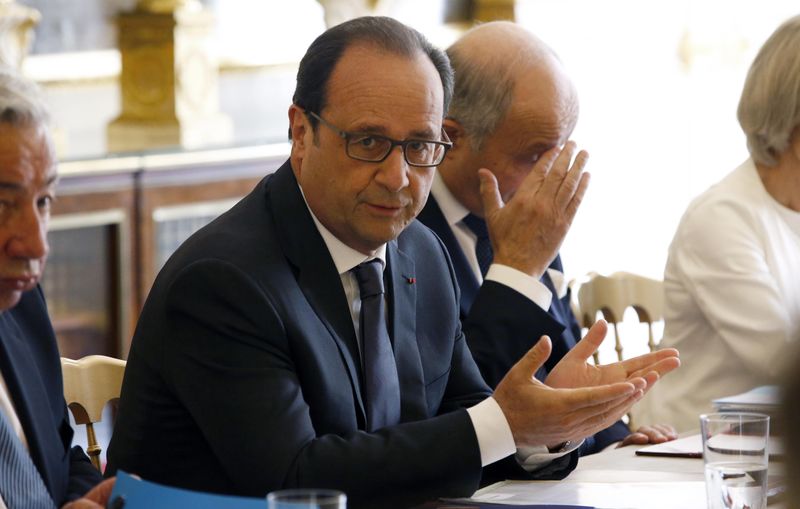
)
(630, 476)
(693, 445)
(611, 495)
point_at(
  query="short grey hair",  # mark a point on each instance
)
(21, 101)
(769, 109)
(481, 96)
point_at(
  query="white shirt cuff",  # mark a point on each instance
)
(517, 280)
(495, 440)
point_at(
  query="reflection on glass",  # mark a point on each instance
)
(171, 233)
(81, 290)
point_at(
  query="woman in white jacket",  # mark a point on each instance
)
(732, 280)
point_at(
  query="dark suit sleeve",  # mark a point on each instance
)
(509, 468)
(502, 326)
(614, 433)
(233, 361)
(67, 470)
(82, 474)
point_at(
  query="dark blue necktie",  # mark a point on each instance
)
(381, 384)
(20, 483)
(483, 246)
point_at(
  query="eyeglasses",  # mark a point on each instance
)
(374, 148)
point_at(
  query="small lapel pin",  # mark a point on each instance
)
(411, 280)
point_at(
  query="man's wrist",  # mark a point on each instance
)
(530, 287)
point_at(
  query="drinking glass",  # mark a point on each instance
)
(736, 457)
(306, 499)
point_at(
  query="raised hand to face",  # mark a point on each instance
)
(527, 231)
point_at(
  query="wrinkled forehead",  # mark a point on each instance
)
(369, 84)
(27, 155)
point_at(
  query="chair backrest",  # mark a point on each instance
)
(90, 383)
(612, 295)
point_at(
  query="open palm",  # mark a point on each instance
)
(574, 370)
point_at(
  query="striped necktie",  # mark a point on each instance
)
(20, 483)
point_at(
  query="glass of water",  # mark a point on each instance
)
(306, 499)
(736, 457)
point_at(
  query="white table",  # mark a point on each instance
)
(617, 479)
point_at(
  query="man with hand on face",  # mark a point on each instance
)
(38, 469)
(310, 337)
(513, 106)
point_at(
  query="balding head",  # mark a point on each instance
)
(512, 102)
(496, 63)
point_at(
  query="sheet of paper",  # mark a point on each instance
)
(467, 504)
(692, 447)
(629, 476)
(687, 447)
(606, 495)
(766, 397)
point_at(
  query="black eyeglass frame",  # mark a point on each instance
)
(346, 136)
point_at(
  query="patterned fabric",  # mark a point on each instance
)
(21, 486)
(382, 385)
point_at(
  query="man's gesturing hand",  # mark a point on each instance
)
(542, 415)
(574, 371)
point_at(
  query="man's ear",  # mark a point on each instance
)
(298, 126)
(298, 123)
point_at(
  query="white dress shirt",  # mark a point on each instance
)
(732, 298)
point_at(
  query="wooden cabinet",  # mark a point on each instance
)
(117, 220)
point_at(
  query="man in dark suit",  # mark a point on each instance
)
(38, 469)
(513, 102)
(309, 337)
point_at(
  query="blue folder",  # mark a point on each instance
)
(132, 493)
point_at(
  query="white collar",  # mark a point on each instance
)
(454, 212)
(344, 257)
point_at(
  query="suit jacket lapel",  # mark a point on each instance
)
(402, 298)
(432, 217)
(30, 399)
(316, 272)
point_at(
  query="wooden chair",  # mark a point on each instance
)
(612, 295)
(90, 383)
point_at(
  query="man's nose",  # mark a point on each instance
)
(29, 235)
(393, 171)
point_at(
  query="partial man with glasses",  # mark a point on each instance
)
(310, 336)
